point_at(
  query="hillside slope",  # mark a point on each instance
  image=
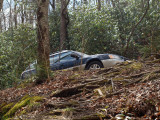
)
(130, 90)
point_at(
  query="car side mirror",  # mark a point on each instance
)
(75, 56)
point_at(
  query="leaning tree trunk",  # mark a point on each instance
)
(43, 67)
(64, 24)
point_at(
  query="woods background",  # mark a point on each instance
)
(126, 27)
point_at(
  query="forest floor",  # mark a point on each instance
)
(127, 91)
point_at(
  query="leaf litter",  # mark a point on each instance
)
(129, 90)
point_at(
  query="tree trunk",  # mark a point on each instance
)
(1, 5)
(74, 3)
(85, 2)
(113, 3)
(15, 13)
(25, 12)
(10, 15)
(4, 20)
(0, 23)
(99, 5)
(43, 67)
(53, 5)
(64, 24)
(31, 17)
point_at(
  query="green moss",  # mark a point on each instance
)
(25, 97)
(6, 108)
(33, 106)
(17, 106)
(101, 115)
(135, 65)
(118, 78)
(37, 99)
(31, 102)
(1, 105)
(68, 109)
(75, 76)
(112, 74)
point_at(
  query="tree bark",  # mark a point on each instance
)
(99, 5)
(10, 15)
(85, 2)
(15, 14)
(0, 23)
(22, 13)
(1, 5)
(64, 24)
(113, 3)
(43, 67)
(53, 5)
(4, 20)
(74, 3)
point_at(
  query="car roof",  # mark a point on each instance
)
(59, 52)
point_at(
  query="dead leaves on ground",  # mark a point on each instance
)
(128, 88)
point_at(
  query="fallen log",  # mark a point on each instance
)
(67, 92)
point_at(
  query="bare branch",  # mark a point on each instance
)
(133, 29)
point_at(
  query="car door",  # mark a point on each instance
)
(56, 61)
(68, 62)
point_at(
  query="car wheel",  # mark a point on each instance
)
(94, 65)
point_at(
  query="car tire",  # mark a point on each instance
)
(94, 65)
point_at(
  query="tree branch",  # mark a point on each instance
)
(133, 29)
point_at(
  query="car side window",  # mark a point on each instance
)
(55, 58)
(67, 58)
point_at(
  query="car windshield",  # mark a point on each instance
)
(53, 58)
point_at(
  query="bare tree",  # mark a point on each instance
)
(43, 41)
(64, 24)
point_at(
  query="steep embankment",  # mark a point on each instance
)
(130, 90)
